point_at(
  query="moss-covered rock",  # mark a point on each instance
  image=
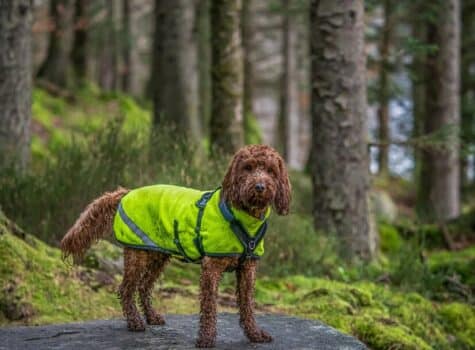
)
(106, 257)
(37, 287)
(382, 206)
(400, 190)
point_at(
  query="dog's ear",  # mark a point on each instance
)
(230, 191)
(284, 189)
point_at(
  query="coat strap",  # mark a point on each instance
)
(178, 244)
(201, 204)
(248, 242)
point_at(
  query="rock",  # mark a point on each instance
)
(106, 257)
(383, 206)
(179, 333)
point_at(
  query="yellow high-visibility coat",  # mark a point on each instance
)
(187, 223)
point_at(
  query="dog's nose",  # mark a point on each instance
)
(260, 187)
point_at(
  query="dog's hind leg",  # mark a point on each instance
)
(135, 263)
(156, 265)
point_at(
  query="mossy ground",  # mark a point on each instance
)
(39, 288)
(461, 263)
(381, 317)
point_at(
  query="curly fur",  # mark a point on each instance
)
(93, 224)
(256, 179)
(252, 165)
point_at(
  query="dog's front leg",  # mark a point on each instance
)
(246, 278)
(211, 272)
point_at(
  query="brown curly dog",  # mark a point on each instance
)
(255, 180)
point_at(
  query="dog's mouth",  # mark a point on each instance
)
(259, 199)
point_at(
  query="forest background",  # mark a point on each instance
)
(371, 103)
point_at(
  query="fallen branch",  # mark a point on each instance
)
(55, 90)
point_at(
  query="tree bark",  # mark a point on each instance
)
(288, 123)
(15, 82)
(384, 90)
(441, 168)
(282, 125)
(247, 44)
(175, 66)
(204, 62)
(418, 87)
(108, 60)
(79, 53)
(55, 67)
(226, 125)
(340, 172)
(126, 46)
(467, 92)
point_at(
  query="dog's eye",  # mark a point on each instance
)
(248, 167)
(271, 171)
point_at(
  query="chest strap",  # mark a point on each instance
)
(248, 242)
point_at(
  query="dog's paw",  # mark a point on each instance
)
(260, 336)
(205, 343)
(136, 325)
(155, 320)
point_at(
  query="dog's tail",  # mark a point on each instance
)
(94, 223)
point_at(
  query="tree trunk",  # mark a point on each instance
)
(109, 67)
(248, 92)
(418, 83)
(282, 125)
(79, 52)
(204, 62)
(467, 92)
(175, 66)
(15, 82)
(340, 159)
(226, 125)
(384, 90)
(55, 67)
(126, 46)
(288, 123)
(441, 168)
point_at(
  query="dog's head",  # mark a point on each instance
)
(257, 178)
